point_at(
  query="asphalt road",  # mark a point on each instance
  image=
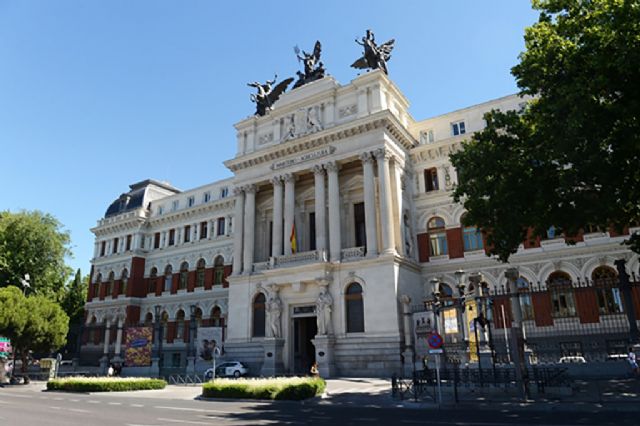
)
(30, 405)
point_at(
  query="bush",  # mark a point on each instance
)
(291, 388)
(104, 384)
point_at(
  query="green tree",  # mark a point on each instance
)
(33, 243)
(74, 297)
(570, 158)
(33, 323)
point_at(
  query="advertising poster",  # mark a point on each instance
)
(5, 347)
(208, 339)
(450, 321)
(137, 346)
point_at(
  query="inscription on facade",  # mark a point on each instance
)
(303, 157)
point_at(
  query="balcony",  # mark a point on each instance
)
(352, 253)
(306, 257)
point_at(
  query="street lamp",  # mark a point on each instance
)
(25, 283)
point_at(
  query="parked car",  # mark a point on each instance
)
(572, 360)
(228, 369)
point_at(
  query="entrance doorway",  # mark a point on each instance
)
(304, 353)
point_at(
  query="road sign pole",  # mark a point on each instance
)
(438, 378)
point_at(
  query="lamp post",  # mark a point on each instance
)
(157, 331)
(25, 283)
(512, 275)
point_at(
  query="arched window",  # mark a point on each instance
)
(148, 319)
(216, 317)
(200, 273)
(472, 238)
(218, 270)
(168, 277)
(198, 317)
(108, 286)
(124, 281)
(258, 315)
(355, 308)
(153, 279)
(524, 296)
(445, 293)
(180, 324)
(184, 276)
(164, 324)
(563, 303)
(605, 281)
(437, 237)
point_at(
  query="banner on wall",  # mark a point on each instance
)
(137, 344)
(451, 321)
(208, 339)
(5, 347)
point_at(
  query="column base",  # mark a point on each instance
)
(117, 360)
(408, 364)
(272, 365)
(104, 364)
(191, 365)
(154, 370)
(324, 355)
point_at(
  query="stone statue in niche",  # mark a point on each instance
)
(374, 56)
(290, 128)
(323, 312)
(407, 236)
(313, 68)
(313, 120)
(274, 310)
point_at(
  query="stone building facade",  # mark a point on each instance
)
(338, 217)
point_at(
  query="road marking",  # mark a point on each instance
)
(115, 403)
(74, 400)
(196, 410)
(91, 401)
(136, 405)
(182, 421)
(17, 396)
(58, 399)
(78, 410)
(55, 408)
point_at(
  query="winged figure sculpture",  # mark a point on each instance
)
(267, 95)
(374, 56)
(313, 68)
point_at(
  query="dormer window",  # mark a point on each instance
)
(207, 197)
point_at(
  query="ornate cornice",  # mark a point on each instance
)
(381, 120)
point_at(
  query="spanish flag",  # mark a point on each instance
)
(292, 238)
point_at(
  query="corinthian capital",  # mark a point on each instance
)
(332, 166)
(289, 177)
(276, 180)
(318, 169)
(250, 189)
(382, 154)
(366, 157)
(238, 190)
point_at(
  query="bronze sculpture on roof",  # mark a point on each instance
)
(374, 56)
(313, 67)
(267, 95)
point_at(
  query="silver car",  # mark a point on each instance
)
(228, 369)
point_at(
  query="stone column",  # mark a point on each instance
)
(408, 353)
(96, 249)
(118, 347)
(104, 361)
(209, 229)
(321, 209)
(238, 231)
(369, 204)
(335, 239)
(249, 228)
(383, 156)
(289, 210)
(276, 238)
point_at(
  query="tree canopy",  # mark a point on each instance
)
(33, 323)
(570, 159)
(33, 243)
(74, 297)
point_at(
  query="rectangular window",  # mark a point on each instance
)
(114, 249)
(472, 238)
(206, 197)
(361, 231)
(431, 179)
(203, 230)
(187, 233)
(312, 231)
(128, 244)
(220, 226)
(191, 201)
(160, 210)
(224, 192)
(156, 240)
(103, 248)
(526, 306)
(438, 244)
(562, 303)
(172, 237)
(175, 205)
(458, 128)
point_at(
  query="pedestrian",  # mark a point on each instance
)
(314, 370)
(110, 371)
(633, 361)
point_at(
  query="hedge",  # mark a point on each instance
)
(104, 384)
(289, 388)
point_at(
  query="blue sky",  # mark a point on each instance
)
(96, 95)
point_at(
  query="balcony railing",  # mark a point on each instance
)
(352, 253)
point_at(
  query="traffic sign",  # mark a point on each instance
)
(434, 340)
(436, 351)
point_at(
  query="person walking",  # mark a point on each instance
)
(633, 362)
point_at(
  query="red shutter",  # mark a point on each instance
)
(175, 282)
(138, 286)
(227, 271)
(587, 305)
(541, 302)
(159, 285)
(115, 291)
(171, 331)
(635, 296)
(502, 316)
(530, 241)
(191, 281)
(208, 278)
(185, 334)
(455, 243)
(423, 247)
